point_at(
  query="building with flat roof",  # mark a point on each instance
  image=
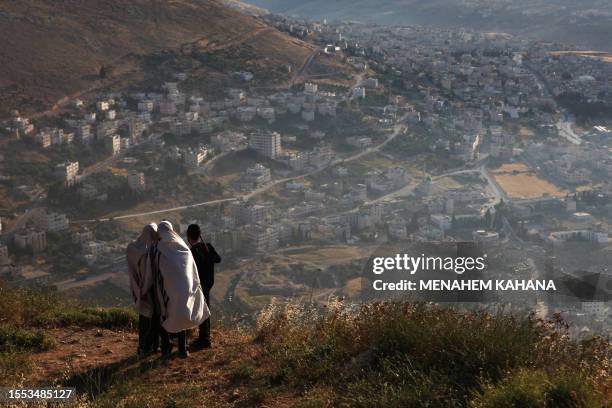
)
(266, 143)
(57, 222)
(68, 172)
(37, 240)
(261, 239)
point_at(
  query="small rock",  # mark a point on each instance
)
(99, 333)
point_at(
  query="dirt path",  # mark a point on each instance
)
(240, 39)
(103, 365)
(79, 350)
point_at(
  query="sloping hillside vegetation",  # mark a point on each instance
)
(58, 48)
(338, 355)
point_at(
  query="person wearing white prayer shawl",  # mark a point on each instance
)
(179, 294)
(141, 285)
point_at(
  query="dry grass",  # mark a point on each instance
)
(378, 355)
(600, 55)
(520, 182)
(399, 355)
(354, 287)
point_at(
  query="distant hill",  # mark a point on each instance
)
(245, 7)
(54, 48)
(587, 23)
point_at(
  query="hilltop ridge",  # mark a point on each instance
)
(296, 354)
(57, 48)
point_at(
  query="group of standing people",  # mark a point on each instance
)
(170, 282)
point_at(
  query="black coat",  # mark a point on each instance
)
(205, 258)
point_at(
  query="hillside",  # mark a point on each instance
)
(380, 355)
(57, 48)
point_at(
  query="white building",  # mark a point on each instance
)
(560, 237)
(359, 142)
(193, 158)
(95, 248)
(113, 144)
(262, 239)
(102, 105)
(266, 143)
(68, 172)
(258, 175)
(80, 237)
(228, 140)
(359, 92)
(502, 143)
(57, 222)
(310, 88)
(43, 138)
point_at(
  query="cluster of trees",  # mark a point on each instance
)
(582, 108)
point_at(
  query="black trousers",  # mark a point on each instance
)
(165, 341)
(148, 333)
(204, 328)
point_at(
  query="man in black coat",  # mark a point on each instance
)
(205, 257)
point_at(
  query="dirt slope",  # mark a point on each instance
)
(54, 48)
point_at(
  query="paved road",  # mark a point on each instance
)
(89, 281)
(165, 210)
(499, 193)
(564, 125)
(565, 129)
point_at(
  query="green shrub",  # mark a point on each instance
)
(14, 339)
(110, 318)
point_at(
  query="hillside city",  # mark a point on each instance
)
(386, 137)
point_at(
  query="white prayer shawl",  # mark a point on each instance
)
(181, 300)
(140, 271)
